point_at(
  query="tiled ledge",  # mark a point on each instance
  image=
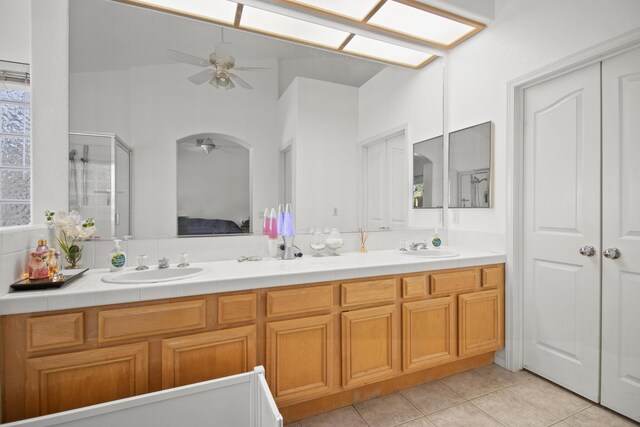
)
(226, 276)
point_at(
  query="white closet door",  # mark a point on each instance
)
(376, 185)
(562, 214)
(399, 194)
(621, 230)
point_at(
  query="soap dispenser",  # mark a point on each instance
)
(117, 257)
(435, 239)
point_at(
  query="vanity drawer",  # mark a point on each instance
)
(302, 300)
(371, 292)
(236, 308)
(446, 283)
(492, 277)
(49, 332)
(415, 286)
(125, 323)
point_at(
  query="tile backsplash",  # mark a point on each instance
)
(15, 245)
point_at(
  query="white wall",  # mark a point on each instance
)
(326, 155)
(151, 116)
(15, 31)
(526, 35)
(398, 97)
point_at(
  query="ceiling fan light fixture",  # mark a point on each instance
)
(206, 144)
(216, 10)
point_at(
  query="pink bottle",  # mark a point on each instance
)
(273, 225)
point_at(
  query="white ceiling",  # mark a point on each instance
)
(106, 35)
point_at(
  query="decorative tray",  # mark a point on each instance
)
(35, 284)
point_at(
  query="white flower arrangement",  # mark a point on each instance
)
(70, 229)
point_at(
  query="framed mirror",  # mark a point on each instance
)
(428, 173)
(471, 167)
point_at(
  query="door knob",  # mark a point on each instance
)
(587, 250)
(611, 253)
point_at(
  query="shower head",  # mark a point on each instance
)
(85, 154)
(72, 155)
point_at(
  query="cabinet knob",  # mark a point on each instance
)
(587, 250)
(612, 253)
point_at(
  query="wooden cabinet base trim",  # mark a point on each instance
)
(298, 411)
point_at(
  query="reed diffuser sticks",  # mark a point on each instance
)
(364, 235)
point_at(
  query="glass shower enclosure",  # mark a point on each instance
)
(100, 181)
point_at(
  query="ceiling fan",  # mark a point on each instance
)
(208, 146)
(220, 66)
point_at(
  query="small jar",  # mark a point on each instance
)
(38, 268)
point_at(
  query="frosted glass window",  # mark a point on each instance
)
(15, 156)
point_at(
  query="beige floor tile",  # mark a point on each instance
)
(503, 376)
(347, 417)
(554, 399)
(471, 384)
(432, 397)
(387, 411)
(512, 410)
(598, 416)
(463, 415)
(293, 424)
(420, 422)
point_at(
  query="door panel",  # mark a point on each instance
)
(300, 358)
(201, 357)
(399, 196)
(428, 333)
(562, 214)
(369, 345)
(621, 229)
(376, 185)
(68, 381)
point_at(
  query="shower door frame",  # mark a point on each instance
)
(115, 142)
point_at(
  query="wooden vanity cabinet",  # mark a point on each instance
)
(323, 345)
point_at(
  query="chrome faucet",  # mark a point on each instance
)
(416, 246)
(163, 262)
(142, 261)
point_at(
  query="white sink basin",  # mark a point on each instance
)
(430, 253)
(153, 276)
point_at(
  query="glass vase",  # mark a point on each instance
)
(73, 257)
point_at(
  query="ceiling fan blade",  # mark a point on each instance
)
(186, 58)
(214, 82)
(230, 85)
(201, 77)
(250, 68)
(240, 81)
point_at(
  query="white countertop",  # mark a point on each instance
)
(227, 276)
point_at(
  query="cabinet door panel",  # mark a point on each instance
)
(68, 381)
(300, 358)
(201, 357)
(428, 333)
(369, 345)
(480, 322)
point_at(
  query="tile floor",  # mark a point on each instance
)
(487, 396)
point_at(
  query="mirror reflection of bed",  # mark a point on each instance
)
(213, 185)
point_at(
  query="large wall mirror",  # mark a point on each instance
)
(303, 118)
(470, 167)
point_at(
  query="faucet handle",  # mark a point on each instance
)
(183, 260)
(163, 262)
